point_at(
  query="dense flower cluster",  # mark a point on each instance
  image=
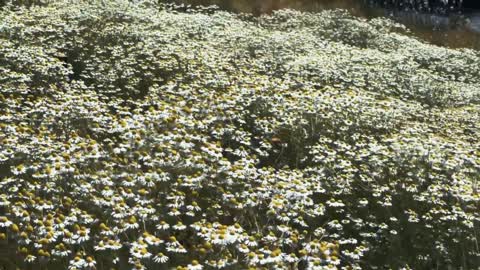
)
(139, 135)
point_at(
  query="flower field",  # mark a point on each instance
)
(138, 135)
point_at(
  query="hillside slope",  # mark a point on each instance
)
(135, 134)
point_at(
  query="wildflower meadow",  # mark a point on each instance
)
(139, 135)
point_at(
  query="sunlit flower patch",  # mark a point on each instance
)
(136, 135)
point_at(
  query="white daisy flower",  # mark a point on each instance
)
(163, 226)
(160, 258)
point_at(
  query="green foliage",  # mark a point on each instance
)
(134, 134)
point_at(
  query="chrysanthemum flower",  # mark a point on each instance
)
(160, 258)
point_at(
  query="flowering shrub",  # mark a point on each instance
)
(139, 135)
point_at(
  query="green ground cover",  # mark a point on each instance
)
(134, 135)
